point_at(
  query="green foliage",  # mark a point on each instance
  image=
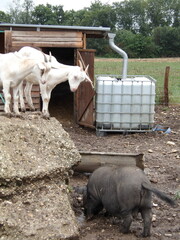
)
(168, 41)
(100, 15)
(97, 14)
(177, 196)
(49, 15)
(131, 15)
(144, 28)
(163, 13)
(4, 17)
(26, 14)
(136, 45)
(74, 18)
(16, 12)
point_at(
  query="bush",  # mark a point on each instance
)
(167, 39)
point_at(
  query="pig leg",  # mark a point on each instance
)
(147, 217)
(127, 220)
(93, 207)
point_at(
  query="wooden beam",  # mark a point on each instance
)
(84, 41)
(166, 84)
(47, 39)
(44, 39)
(92, 160)
(8, 41)
(49, 44)
(47, 34)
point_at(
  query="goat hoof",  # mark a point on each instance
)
(19, 116)
(47, 117)
(9, 115)
(23, 110)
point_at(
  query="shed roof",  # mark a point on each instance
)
(91, 32)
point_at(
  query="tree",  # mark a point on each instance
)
(97, 14)
(145, 28)
(74, 18)
(21, 12)
(15, 12)
(168, 40)
(131, 15)
(176, 13)
(27, 9)
(52, 15)
(163, 13)
(4, 17)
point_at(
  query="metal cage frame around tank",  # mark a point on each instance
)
(109, 126)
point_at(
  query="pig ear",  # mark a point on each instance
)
(80, 64)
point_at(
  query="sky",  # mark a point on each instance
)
(67, 4)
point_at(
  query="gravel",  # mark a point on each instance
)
(36, 157)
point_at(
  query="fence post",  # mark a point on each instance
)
(166, 83)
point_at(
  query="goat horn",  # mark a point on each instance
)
(89, 80)
(86, 70)
(81, 66)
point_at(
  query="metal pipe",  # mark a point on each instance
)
(121, 52)
(39, 27)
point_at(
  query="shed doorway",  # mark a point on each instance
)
(62, 99)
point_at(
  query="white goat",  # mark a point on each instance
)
(31, 52)
(74, 74)
(13, 69)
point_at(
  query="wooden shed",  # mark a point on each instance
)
(68, 44)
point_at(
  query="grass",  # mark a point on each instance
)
(154, 68)
(177, 196)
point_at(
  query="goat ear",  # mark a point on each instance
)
(45, 58)
(50, 57)
(80, 64)
(41, 66)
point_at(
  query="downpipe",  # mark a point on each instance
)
(121, 52)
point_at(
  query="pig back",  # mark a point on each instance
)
(120, 189)
(130, 192)
(101, 186)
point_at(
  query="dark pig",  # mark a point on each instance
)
(122, 192)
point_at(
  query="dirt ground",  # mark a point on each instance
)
(161, 159)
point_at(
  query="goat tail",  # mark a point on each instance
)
(159, 194)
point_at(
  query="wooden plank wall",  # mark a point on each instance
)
(47, 39)
(35, 96)
(84, 109)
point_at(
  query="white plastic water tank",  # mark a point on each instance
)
(126, 104)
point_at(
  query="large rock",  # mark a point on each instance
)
(36, 157)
